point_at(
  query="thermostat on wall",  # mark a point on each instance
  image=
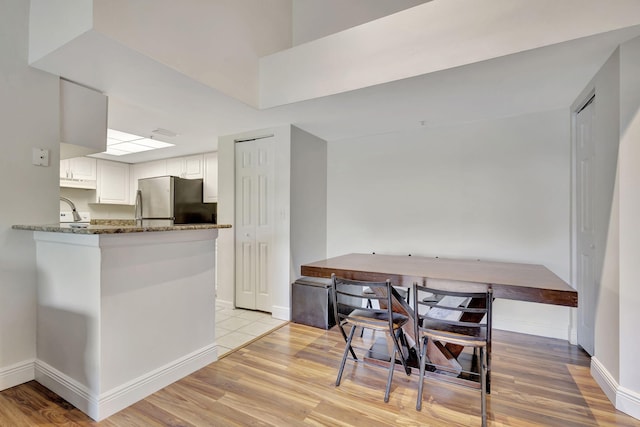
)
(40, 156)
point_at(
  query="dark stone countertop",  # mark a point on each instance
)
(114, 229)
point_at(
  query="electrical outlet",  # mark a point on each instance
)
(40, 157)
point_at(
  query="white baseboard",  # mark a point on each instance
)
(573, 335)
(225, 304)
(628, 401)
(573, 327)
(625, 400)
(282, 313)
(604, 379)
(75, 393)
(108, 403)
(16, 374)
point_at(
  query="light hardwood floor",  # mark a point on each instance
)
(286, 378)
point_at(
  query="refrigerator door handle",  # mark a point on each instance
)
(139, 209)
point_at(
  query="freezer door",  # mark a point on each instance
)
(157, 197)
(189, 208)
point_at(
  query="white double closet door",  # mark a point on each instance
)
(254, 223)
(588, 281)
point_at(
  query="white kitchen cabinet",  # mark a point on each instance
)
(190, 167)
(210, 184)
(150, 169)
(175, 166)
(145, 170)
(78, 172)
(113, 183)
(78, 168)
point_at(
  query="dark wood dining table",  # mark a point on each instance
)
(514, 281)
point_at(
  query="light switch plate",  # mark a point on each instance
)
(40, 157)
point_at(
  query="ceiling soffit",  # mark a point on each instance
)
(431, 37)
(146, 93)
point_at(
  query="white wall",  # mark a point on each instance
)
(300, 210)
(308, 200)
(280, 293)
(85, 201)
(606, 86)
(222, 48)
(629, 176)
(425, 39)
(29, 117)
(226, 215)
(314, 19)
(56, 22)
(495, 190)
(617, 122)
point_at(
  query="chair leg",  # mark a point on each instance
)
(423, 361)
(392, 363)
(347, 348)
(398, 342)
(345, 339)
(483, 384)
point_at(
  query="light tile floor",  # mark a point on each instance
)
(236, 327)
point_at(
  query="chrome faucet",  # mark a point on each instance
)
(74, 212)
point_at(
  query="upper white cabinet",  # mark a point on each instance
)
(210, 184)
(113, 183)
(190, 167)
(78, 172)
(145, 170)
(83, 120)
(150, 169)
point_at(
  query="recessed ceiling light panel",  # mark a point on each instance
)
(122, 143)
(148, 142)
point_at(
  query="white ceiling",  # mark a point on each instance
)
(145, 94)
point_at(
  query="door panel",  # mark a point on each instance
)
(587, 283)
(254, 223)
(263, 204)
(246, 263)
(262, 267)
(245, 189)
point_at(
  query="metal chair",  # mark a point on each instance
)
(455, 317)
(405, 293)
(350, 309)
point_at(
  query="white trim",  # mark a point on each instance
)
(127, 394)
(604, 379)
(628, 401)
(573, 330)
(75, 393)
(116, 399)
(16, 374)
(225, 304)
(282, 313)
(625, 400)
(573, 326)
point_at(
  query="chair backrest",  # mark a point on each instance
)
(350, 295)
(461, 316)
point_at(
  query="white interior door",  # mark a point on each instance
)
(254, 223)
(587, 283)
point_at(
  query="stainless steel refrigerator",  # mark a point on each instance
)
(169, 200)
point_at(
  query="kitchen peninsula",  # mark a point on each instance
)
(122, 310)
